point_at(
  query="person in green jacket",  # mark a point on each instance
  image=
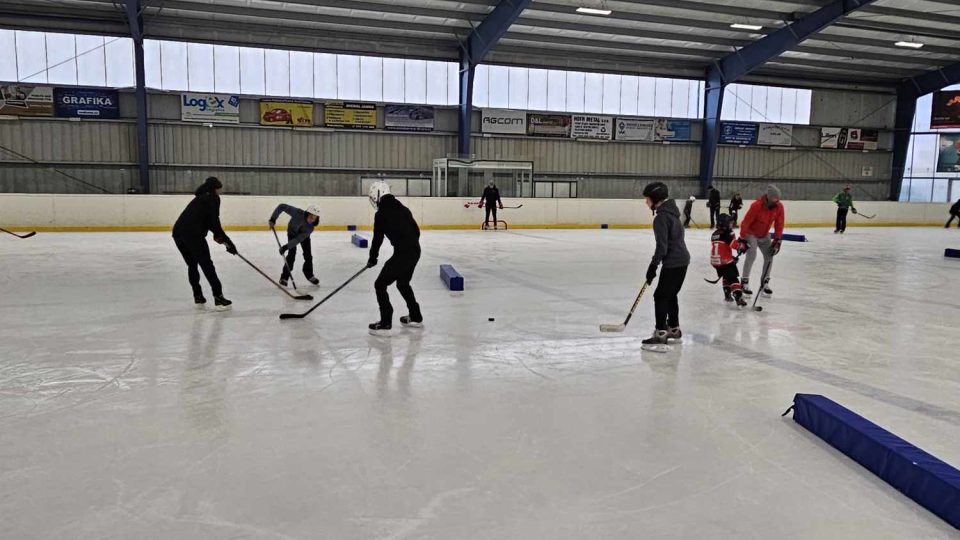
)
(844, 201)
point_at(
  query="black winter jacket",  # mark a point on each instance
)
(671, 249)
(199, 217)
(394, 221)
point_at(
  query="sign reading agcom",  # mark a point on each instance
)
(212, 108)
(504, 121)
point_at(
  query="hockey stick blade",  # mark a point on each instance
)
(623, 326)
(712, 281)
(613, 327)
(21, 236)
(303, 297)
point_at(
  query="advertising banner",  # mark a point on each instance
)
(588, 126)
(946, 109)
(738, 133)
(849, 138)
(948, 159)
(775, 135)
(210, 108)
(548, 125)
(26, 100)
(673, 130)
(503, 121)
(351, 115)
(635, 129)
(408, 118)
(86, 103)
(286, 113)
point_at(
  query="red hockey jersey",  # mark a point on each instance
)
(724, 243)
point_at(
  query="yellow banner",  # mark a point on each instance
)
(340, 114)
(286, 113)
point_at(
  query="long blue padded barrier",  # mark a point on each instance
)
(792, 237)
(933, 484)
(358, 241)
(954, 253)
(451, 277)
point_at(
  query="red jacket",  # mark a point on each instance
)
(759, 218)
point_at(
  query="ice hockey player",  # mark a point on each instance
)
(190, 235)
(844, 202)
(490, 199)
(671, 252)
(724, 244)
(395, 222)
(299, 229)
(763, 213)
(687, 211)
(954, 214)
(736, 203)
(713, 203)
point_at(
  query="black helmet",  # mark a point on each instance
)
(724, 222)
(657, 191)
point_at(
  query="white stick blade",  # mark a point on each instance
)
(612, 327)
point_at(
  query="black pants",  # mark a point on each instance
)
(196, 253)
(714, 216)
(292, 257)
(731, 277)
(491, 208)
(842, 219)
(735, 216)
(399, 269)
(686, 221)
(666, 307)
(952, 217)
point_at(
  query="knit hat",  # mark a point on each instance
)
(773, 191)
(208, 185)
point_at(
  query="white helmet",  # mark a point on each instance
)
(693, 198)
(312, 209)
(377, 190)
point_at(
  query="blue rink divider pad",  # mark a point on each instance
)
(451, 277)
(351, 227)
(931, 483)
(954, 253)
(358, 241)
(792, 237)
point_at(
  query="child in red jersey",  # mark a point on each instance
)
(722, 257)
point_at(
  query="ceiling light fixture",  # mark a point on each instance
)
(593, 11)
(909, 44)
(746, 26)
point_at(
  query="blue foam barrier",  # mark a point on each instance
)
(954, 253)
(792, 237)
(451, 277)
(358, 241)
(351, 227)
(931, 483)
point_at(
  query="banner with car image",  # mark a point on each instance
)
(408, 118)
(26, 100)
(350, 115)
(286, 113)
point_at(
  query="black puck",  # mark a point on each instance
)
(491, 319)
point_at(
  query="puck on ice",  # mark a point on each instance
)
(490, 319)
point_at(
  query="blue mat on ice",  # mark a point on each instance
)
(933, 484)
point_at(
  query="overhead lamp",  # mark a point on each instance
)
(741, 26)
(909, 44)
(593, 11)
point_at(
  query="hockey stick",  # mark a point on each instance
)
(622, 327)
(763, 283)
(28, 235)
(325, 298)
(712, 281)
(865, 216)
(285, 265)
(268, 278)
(512, 207)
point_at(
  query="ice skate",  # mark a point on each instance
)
(410, 322)
(739, 298)
(727, 297)
(313, 280)
(283, 282)
(656, 343)
(674, 333)
(199, 301)
(380, 329)
(766, 289)
(221, 302)
(745, 286)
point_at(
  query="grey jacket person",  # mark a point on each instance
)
(297, 229)
(671, 249)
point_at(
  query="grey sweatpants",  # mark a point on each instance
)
(765, 245)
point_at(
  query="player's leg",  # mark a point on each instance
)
(308, 261)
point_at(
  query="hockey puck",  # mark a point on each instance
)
(758, 308)
(491, 319)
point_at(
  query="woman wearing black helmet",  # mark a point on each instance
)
(672, 253)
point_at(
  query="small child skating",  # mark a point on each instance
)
(724, 244)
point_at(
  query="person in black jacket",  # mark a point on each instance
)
(713, 203)
(954, 214)
(736, 203)
(394, 221)
(491, 200)
(190, 235)
(672, 254)
(687, 211)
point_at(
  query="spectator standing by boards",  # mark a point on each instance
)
(713, 203)
(687, 211)
(491, 200)
(736, 203)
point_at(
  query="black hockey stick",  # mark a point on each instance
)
(512, 207)
(285, 265)
(28, 235)
(763, 283)
(622, 327)
(712, 281)
(864, 215)
(325, 298)
(281, 287)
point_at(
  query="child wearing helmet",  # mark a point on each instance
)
(299, 229)
(723, 246)
(672, 254)
(687, 210)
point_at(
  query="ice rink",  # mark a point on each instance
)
(126, 413)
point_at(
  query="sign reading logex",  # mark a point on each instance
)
(210, 108)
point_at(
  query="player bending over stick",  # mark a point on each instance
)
(299, 229)
(755, 234)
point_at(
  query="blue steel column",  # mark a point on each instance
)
(464, 127)
(712, 106)
(135, 21)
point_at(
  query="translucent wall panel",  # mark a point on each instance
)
(556, 90)
(481, 86)
(518, 87)
(537, 90)
(437, 87)
(91, 61)
(61, 58)
(499, 86)
(393, 80)
(200, 70)
(348, 76)
(151, 63)
(611, 94)
(301, 74)
(173, 65)
(371, 78)
(226, 73)
(8, 55)
(252, 79)
(576, 82)
(276, 66)
(325, 76)
(31, 57)
(415, 81)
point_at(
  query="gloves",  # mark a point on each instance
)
(372, 262)
(501, 207)
(742, 245)
(231, 249)
(273, 224)
(854, 210)
(775, 246)
(284, 248)
(651, 273)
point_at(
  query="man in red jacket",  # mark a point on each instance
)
(755, 233)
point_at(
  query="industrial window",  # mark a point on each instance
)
(755, 103)
(922, 182)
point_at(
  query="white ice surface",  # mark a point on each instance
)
(124, 413)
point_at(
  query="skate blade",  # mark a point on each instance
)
(199, 307)
(224, 308)
(612, 327)
(656, 348)
(379, 333)
(416, 325)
